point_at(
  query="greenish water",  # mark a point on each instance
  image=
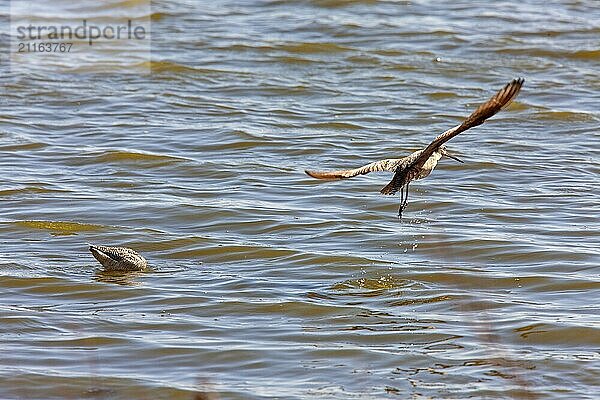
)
(269, 284)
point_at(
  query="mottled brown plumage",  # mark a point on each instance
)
(419, 164)
(118, 258)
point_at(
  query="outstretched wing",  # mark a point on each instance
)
(478, 117)
(390, 164)
(500, 100)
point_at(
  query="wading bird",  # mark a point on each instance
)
(118, 258)
(419, 164)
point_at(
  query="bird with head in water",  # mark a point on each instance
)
(419, 164)
(118, 258)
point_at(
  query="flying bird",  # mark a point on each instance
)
(419, 164)
(118, 258)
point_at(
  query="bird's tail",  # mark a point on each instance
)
(389, 189)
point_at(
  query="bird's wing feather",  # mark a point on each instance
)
(478, 117)
(390, 164)
(113, 253)
(496, 103)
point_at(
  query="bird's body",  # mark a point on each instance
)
(419, 164)
(118, 258)
(429, 164)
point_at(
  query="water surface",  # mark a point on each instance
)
(269, 284)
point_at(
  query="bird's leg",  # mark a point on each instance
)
(400, 209)
(403, 200)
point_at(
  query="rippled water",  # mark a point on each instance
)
(269, 284)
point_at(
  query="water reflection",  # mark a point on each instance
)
(118, 277)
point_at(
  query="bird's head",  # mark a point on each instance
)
(444, 152)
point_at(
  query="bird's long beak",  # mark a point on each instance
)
(453, 157)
